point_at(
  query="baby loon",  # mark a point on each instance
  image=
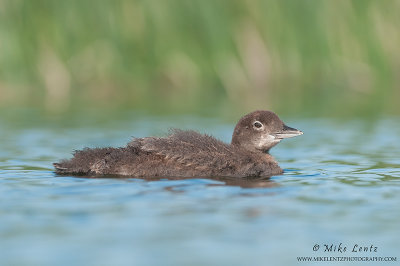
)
(190, 154)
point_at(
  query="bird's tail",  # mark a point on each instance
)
(60, 168)
(84, 162)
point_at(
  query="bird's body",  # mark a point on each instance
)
(181, 154)
(186, 154)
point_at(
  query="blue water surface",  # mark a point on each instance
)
(341, 186)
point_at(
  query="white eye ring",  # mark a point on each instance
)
(258, 125)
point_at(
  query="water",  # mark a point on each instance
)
(341, 185)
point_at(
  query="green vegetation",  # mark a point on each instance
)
(312, 57)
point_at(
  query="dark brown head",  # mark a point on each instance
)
(260, 131)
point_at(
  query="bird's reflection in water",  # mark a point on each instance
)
(248, 182)
(258, 182)
(244, 182)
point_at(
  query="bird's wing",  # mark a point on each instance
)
(185, 146)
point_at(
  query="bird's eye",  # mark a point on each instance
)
(257, 124)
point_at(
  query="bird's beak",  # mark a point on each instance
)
(287, 132)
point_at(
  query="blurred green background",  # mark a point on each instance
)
(309, 57)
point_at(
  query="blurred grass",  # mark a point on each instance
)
(310, 57)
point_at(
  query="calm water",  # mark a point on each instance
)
(341, 185)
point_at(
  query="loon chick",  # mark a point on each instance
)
(190, 154)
